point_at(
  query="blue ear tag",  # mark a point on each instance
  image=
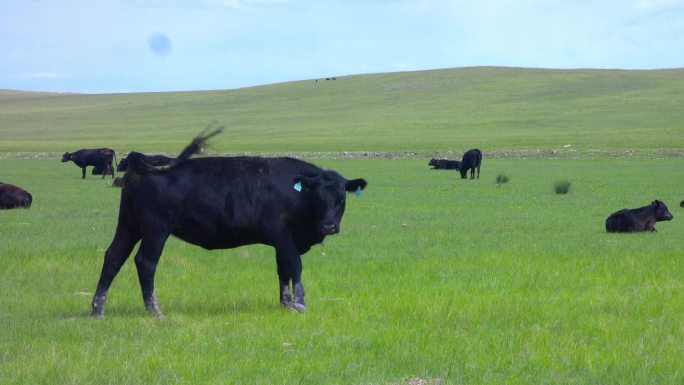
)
(298, 186)
(358, 191)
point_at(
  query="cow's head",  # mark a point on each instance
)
(328, 192)
(66, 157)
(662, 213)
(123, 165)
(432, 162)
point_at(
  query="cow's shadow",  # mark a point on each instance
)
(187, 308)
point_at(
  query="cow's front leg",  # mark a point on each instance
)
(284, 278)
(83, 170)
(290, 270)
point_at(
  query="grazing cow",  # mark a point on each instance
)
(100, 157)
(154, 160)
(220, 203)
(472, 159)
(12, 196)
(635, 220)
(681, 204)
(444, 164)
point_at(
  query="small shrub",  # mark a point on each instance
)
(501, 179)
(562, 187)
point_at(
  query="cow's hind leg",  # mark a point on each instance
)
(115, 256)
(146, 260)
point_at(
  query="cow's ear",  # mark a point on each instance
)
(302, 182)
(355, 185)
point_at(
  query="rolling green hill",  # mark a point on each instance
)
(496, 109)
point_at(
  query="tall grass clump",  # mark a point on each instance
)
(501, 179)
(562, 186)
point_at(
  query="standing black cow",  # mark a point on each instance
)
(444, 164)
(472, 159)
(153, 160)
(635, 220)
(219, 203)
(102, 158)
(12, 196)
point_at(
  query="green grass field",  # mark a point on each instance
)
(432, 278)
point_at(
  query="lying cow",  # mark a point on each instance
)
(635, 220)
(220, 203)
(97, 170)
(12, 196)
(102, 158)
(444, 164)
(472, 160)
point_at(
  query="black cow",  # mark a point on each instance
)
(681, 204)
(153, 160)
(635, 220)
(118, 182)
(472, 159)
(12, 196)
(99, 157)
(97, 170)
(224, 202)
(444, 164)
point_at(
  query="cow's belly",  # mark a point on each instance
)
(212, 236)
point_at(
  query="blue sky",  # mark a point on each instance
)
(177, 45)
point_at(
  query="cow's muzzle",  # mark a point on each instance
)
(330, 228)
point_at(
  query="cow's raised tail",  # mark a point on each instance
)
(140, 163)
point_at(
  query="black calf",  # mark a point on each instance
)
(220, 203)
(12, 196)
(444, 164)
(636, 220)
(472, 160)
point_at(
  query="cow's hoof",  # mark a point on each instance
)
(97, 314)
(156, 312)
(152, 306)
(299, 307)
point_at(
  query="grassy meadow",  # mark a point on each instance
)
(432, 280)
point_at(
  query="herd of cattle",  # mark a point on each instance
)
(227, 202)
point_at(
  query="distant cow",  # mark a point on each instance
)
(153, 160)
(99, 171)
(220, 203)
(102, 158)
(681, 204)
(472, 160)
(635, 220)
(444, 164)
(12, 196)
